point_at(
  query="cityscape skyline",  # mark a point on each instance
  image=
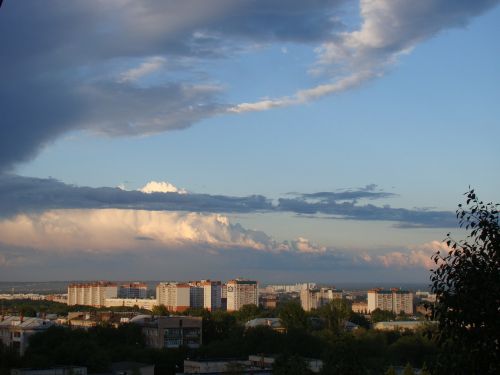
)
(282, 141)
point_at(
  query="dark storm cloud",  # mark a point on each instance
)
(24, 194)
(55, 59)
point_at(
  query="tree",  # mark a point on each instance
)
(290, 365)
(408, 370)
(390, 371)
(160, 310)
(467, 286)
(292, 315)
(335, 313)
(379, 315)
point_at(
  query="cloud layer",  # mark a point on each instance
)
(123, 67)
(26, 195)
(143, 240)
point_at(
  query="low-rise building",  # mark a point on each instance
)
(170, 331)
(60, 370)
(145, 304)
(402, 325)
(15, 331)
(274, 323)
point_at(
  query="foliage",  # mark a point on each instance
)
(390, 371)
(335, 314)
(292, 315)
(378, 315)
(359, 319)
(247, 312)
(408, 370)
(343, 357)
(467, 285)
(160, 310)
(290, 365)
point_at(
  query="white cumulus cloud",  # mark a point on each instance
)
(161, 187)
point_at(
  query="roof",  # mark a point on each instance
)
(24, 323)
(270, 322)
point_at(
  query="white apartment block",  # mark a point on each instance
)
(212, 295)
(91, 293)
(174, 296)
(394, 300)
(241, 292)
(133, 290)
(289, 288)
(315, 298)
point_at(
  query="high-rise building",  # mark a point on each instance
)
(134, 290)
(315, 298)
(174, 296)
(196, 294)
(91, 293)
(241, 292)
(212, 295)
(394, 300)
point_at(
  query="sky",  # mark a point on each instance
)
(285, 141)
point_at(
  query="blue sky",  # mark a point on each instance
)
(423, 127)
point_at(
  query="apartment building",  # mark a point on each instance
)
(92, 293)
(395, 300)
(170, 331)
(135, 290)
(241, 292)
(174, 296)
(315, 298)
(212, 295)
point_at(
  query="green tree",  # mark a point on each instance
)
(335, 313)
(160, 310)
(408, 370)
(378, 315)
(290, 365)
(247, 312)
(467, 286)
(424, 370)
(292, 315)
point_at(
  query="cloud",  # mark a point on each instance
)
(103, 243)
(59, 74)
(147, 67)
(388, 30)
(109, 230)
(82, 65)
(161, 187)
(25, 195)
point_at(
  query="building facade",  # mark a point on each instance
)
(135, 290)
(92, 293)
(174, 296)
(171, 331)
(15, 331)
(241, 292)
(143, 303)
(212, 295)
(395, 300)
(315, 298)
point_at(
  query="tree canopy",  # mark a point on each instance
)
(467, 286)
